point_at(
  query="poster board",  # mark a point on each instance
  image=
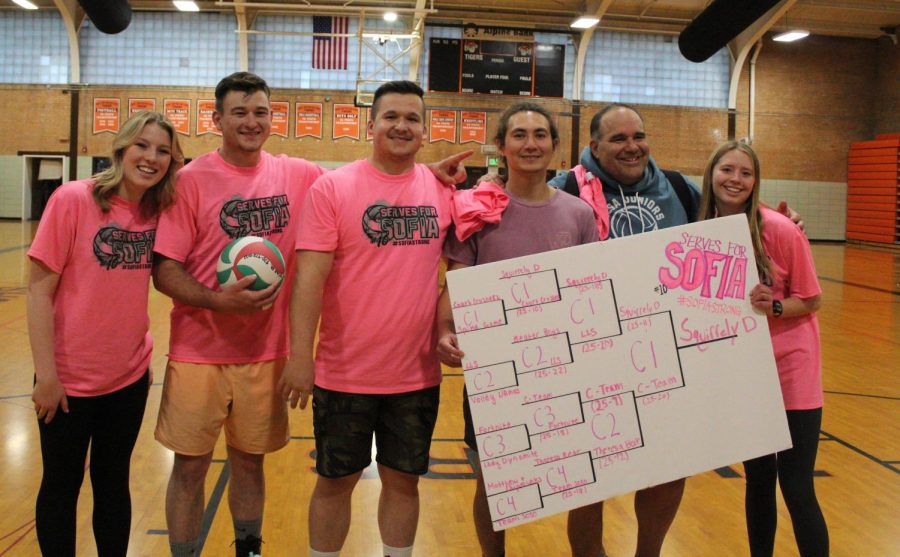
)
(605, 368)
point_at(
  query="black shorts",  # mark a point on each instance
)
(345, 422)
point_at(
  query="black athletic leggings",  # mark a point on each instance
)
(109, 424)
(794, 470)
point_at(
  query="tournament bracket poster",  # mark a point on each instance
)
(605, 368)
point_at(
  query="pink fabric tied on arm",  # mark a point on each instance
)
(474, 208)
(590, 190)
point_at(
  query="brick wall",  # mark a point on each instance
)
(813, 98)
(887, 88)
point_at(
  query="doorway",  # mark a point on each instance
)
(41, 175)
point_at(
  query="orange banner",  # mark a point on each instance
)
(368, 119)
(473, 127)
(137, 105)
(308, 120)
(443, 126)
(205, 109)
(345, 122)
(106, 115)
(178, 111)
(280, 111)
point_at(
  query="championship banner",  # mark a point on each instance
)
(280, 111)
(473, 127)
(106, 115)
(308, 120)
(369, 134)
(442, 126)
(600, 369)
(137, 105)
(205, 124)
(178, 111)
(345, 122)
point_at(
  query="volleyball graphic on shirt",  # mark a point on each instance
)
(250, 255)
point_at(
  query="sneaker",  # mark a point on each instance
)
(248, 547)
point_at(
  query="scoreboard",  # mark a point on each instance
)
(496, 67)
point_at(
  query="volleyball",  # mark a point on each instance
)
(250, 255)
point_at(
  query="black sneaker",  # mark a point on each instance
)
(248, 547)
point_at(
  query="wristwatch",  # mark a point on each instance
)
(777, 308)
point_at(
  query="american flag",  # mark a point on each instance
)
(330, 53)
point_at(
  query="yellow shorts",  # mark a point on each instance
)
(198, 398)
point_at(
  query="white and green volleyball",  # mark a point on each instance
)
(250, 255)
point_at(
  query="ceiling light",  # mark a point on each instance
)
(584, 22)
(26, 4)
(390, 16)
(790, 36)
(186, 5)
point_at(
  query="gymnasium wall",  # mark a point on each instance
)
(36, 118)
(813, 98)
(23, 129)
(887, 88)
(48, 128)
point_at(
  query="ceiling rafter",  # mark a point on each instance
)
(846, 18)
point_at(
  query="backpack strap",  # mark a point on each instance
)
(571, 186)
(588, 188)
(683, 191)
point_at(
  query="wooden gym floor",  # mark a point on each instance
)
(858, 466)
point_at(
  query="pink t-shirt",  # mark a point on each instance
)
(217, 202)
(378, 308)
(795, 340)
(101, 327)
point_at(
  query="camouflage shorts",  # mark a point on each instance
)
(402, 424)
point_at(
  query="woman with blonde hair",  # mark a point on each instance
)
(89, 331)
(789, 295)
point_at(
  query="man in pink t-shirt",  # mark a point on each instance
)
(370, 245)
(227, 346)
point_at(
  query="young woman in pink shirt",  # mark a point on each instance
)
(89, 331)
(789, 295)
